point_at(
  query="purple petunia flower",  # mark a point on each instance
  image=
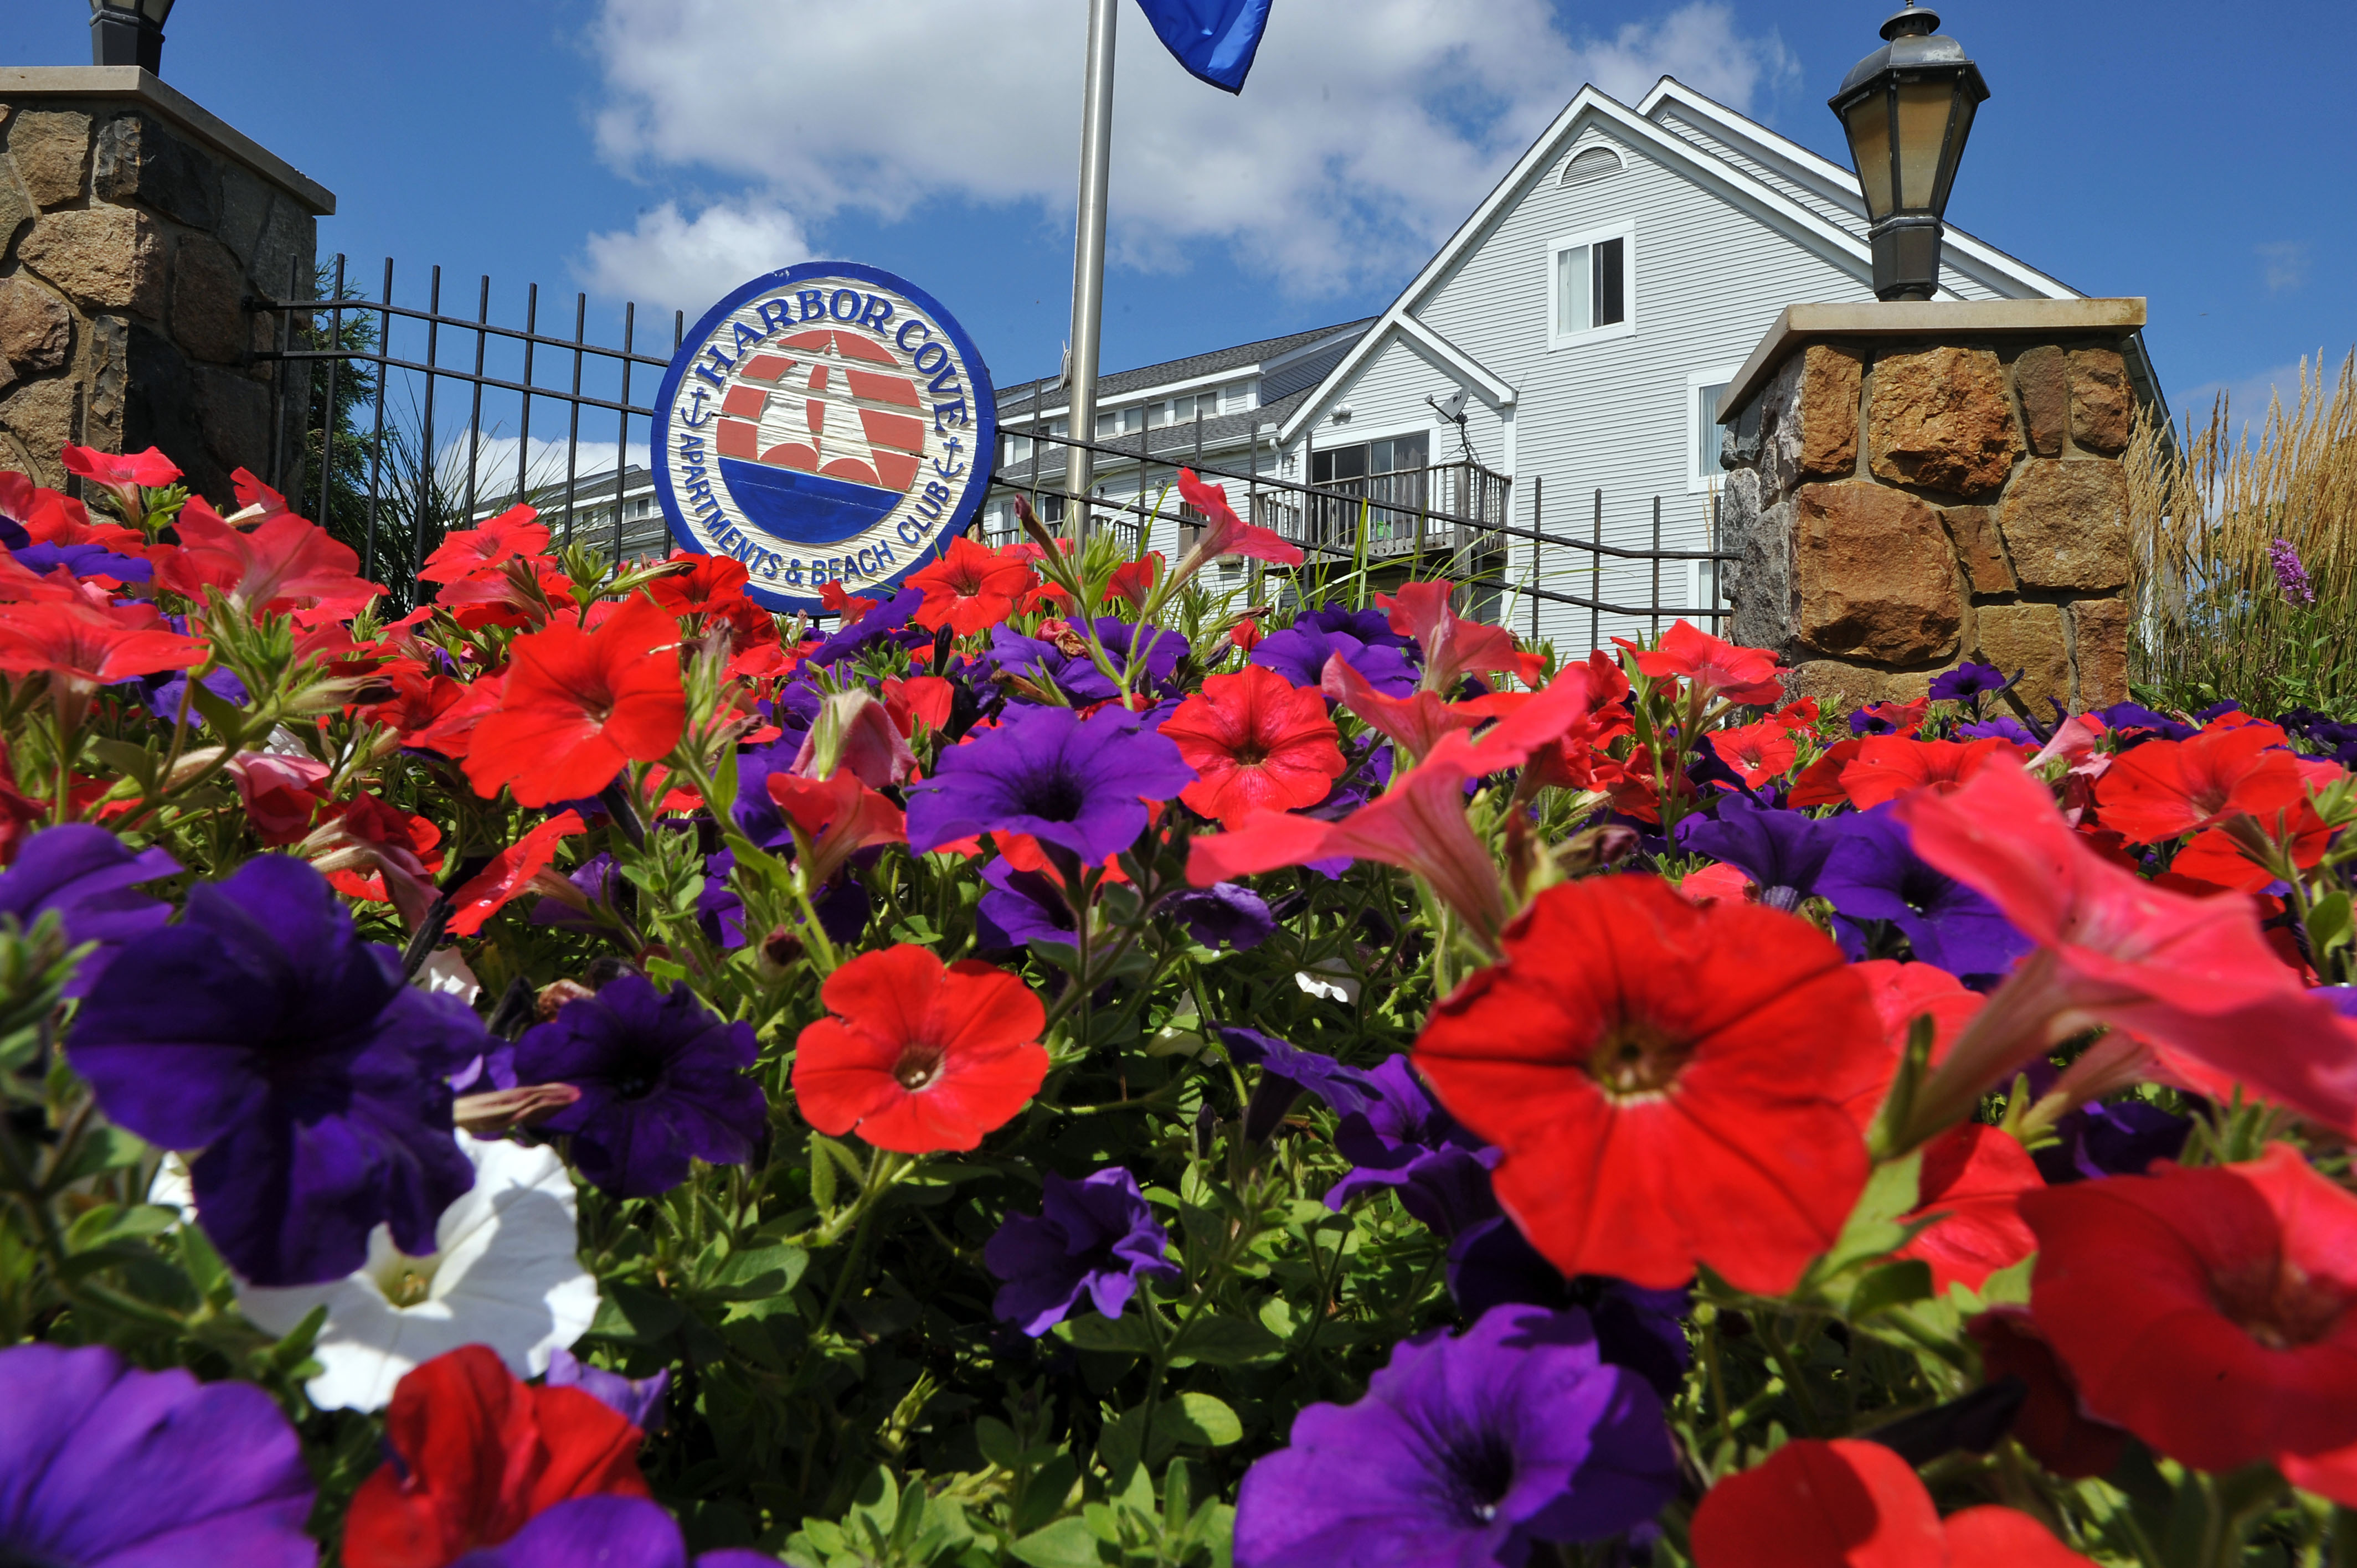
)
(2291, 575)
(166, 696)
(1491, 1264)
(1968, 682)
(1078, 784)
(2121, 1138)
(1465, 1453)
(1225, 913)
(662, 1082)
(1783, 852)
(1399, 1137)
(877, 626)
(102, 1464)
(1021, 907)
(637, 1531)
(1287, 1073)
(2003, 727)
(638, 1400)
(262, 1031)
(1874, 873)
(1095, 1237)
(87, 875)
(1299, 653)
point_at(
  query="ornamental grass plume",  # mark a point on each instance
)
(918, 1056)
(1671, 1086)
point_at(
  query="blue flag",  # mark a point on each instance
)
(1214, 39)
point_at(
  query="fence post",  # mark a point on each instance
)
(475, 413)
(376, 436)
(622, 444)
(426, 446)
(1596, 577)
(1538, 526)
(573, 431)
(328, 424)
(1656, 605)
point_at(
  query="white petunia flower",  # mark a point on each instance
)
(505, 1273)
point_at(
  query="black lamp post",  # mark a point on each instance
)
(128, 32)
(1907, 109)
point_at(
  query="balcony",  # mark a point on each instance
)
(1455, 508)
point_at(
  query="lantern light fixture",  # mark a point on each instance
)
(128, 32)
(1907, 110)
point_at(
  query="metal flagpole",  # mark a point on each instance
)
(1088, 257)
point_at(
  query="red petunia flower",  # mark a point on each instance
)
(1245, 633)
(1820, 783)
(1418, 825)
(373, 850)
(522, 867)
(1714, 667)
(2215, 857)
(971, 588)
(920, 1058)
(80, 648)
(1453, 646)
(1972, 1175)
(2208, 1311)
(477, 1453)
(1225, 533)
(1886, 766)
(472, 552)
(256, 502)
(838, 816)
(1133, 581)
(1415, 723)
(1255, 743)
(2164, 790)
(1855, 1504)
(280, 794)
(2051, 1424)
(1670, 1085)
(836, 601)
(124, 477)
(927, 700)
(2193, 976)
(1759, 752)
(286, 562)
(579, 704)
(712, 585)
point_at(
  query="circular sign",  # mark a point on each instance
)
(828, 423)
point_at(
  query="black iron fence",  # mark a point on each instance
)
(421, 419)
(1456, 518)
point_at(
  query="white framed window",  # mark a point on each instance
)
(1702, 590)
(1591, 283)
(1703, 392)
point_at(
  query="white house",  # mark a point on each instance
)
(1590, 309)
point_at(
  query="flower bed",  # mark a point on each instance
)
(1073, 1067)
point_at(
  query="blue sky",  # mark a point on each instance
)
(2191, 153)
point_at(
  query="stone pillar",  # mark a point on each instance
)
(135, 231)
(1915, 484)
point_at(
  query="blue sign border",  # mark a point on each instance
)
(981, 393)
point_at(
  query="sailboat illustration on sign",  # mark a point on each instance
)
(820, 438)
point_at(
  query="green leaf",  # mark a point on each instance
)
(1873, 1229)
(1125, 1335)
(760, 1273)
(1893, 1285)
(226, 720)
(1067, 1543)
(1224, 1342)
(2328, 924)
(634, 1312)
(1199, 1418)
(998, 1444)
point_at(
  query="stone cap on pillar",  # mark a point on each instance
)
(21, 85)
(2046, 320)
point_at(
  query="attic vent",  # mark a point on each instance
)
(1591, 163)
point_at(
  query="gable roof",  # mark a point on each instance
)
(1837, 235)
(1272, 354)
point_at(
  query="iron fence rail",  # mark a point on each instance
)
(1460, 508)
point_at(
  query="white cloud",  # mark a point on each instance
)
(673, 262)
(2284, 265)
(2249, 398)
(542, 463)
(1368, 131)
